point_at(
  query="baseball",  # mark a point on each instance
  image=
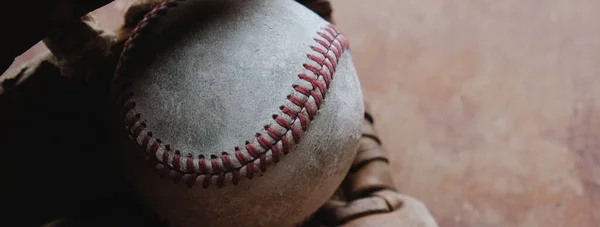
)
(232, 112)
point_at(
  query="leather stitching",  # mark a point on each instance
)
(368, 117)
(267, 146)
(358, 166)
(373, 137)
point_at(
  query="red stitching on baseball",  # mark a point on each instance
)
(138, 129)
(176, 162)
(189, 164)
(303, 121)
(264, 143)
(326, 37)
(146, 140)
(215, 164)
(310, 110)
(227, 162)
(252, 150)
(154, 148)
(240, 156)
(320, 72)
(302, 90)
(296, 100)
(330, 31)
(329, 66)
(202, 164)
(285, 144)
(288, 111)
(317, 84)
(282, 122)
(263, 163)
(165, 156)
(250, 170)
(275, 153)
(297, 117)
(296, 134)
(272, 133)
(313, 69)
(336, 51)
(315, 58)
(130, 122)
(323, 43)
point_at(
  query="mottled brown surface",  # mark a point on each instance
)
(489, 109)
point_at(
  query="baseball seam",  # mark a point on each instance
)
(286, 130)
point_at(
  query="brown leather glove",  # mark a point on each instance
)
(27, 22)
(53, 133)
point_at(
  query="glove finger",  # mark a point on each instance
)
(412, 213)
(383, 208)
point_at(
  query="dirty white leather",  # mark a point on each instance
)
(217, 72)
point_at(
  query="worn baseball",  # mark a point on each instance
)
(236, 113)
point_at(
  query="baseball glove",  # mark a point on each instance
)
(53, 125)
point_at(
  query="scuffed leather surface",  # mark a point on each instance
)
(204, 94)
(217, 81)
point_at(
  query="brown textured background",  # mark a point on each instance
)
(490, 109)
